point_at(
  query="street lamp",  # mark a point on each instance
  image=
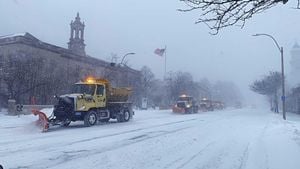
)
(282, 71)
(131, 53)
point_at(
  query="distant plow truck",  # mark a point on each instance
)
(185, 104)
(91, 100)
(210, 105)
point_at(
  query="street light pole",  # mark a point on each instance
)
(283, 85)
(282, 72)
(131, 53)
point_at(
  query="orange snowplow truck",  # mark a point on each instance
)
(91, 100)
(185, 104)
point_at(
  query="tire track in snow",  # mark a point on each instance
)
(258, 146)
(71, 156)
(95, 138)
(181, 163)
(49, 134)
(216, 161)
(67, 156)
(111, 123)
(243, 159)
(195, 155)
(296, 137)
(130, 131)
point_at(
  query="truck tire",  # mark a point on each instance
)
(124, 116)
(90, 118)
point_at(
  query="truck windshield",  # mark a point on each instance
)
(83, 88)
(184, 99)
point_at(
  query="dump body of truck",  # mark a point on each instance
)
(114, 94)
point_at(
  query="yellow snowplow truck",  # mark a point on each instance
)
(185, 104)
(90, 101)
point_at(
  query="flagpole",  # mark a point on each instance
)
(165, 61)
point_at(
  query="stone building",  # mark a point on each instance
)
(293, 80)
(293, 77)
(72, 63)
(293, 100)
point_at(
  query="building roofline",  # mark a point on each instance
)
(28, 39)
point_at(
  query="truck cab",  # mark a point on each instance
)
(89, 95)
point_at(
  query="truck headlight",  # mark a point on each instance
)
(188, 106)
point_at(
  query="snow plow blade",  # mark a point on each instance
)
(178, 110)
(43, 121)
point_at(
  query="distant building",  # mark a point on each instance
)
(293, 95)
(75, 57)
(293, 100)
(294, 76)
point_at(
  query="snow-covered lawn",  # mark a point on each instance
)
(229, 139)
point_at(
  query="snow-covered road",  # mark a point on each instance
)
(230, 139)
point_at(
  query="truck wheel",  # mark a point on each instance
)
(126, 115)
(90, 118)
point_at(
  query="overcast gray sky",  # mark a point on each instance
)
(119, 26)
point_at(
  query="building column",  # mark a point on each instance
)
(82, 34)
(72, 33)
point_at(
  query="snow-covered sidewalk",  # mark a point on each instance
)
(230, 139)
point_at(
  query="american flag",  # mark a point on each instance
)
(160, 52)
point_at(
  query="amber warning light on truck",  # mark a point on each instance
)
(90, 80)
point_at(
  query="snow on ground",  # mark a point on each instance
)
(229, 139)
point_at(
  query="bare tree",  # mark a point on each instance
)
(217, 14)
(145, 85)
(26, 75)
(146, 80)
(204, 88)
(178, 83)
(21, 75)
(269, 86)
